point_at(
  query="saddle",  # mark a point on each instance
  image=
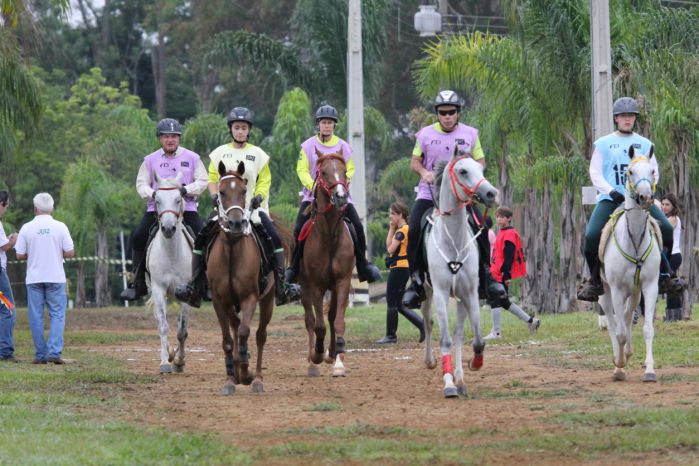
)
(609, 229)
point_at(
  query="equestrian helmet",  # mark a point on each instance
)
(448, 98)
(326, 111)
(168, 126)
(625, 105)
(240, 114)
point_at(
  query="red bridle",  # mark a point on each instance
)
(455, 184)
(320, 181)
(177, 214)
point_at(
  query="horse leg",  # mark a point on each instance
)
(458, 342)
(430, 360)
(160, 311)
(179, 354)
(317, 354)
(474, 313)
(266, 308)
(649, 331)
(632, 304)
(248, 310)
(441, 300)
(342, 298)
(227, 344)
(332, 345)
(609, 310)
(309, 319)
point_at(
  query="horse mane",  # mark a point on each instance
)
(169, 183)
(438, 175)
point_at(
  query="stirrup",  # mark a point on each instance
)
(590, 291)
(134, 292)
(414, 295)
(369, 273)
(671, 284)
(188, 294)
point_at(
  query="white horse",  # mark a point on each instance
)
(631, 265)
(169, 262)
(452, 254)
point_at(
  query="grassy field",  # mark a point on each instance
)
(68, 415)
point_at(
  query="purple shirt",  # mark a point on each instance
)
(309, 146)
(439, 147)
(184, 162)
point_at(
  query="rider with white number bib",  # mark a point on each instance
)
(436, 143)
(608, 166)
(167, 162)
(259, 180)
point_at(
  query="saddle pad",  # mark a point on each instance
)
(609, 228)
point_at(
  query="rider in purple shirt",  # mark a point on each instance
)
(434, 144)
(167, 162)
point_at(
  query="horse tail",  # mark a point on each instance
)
(285, 234)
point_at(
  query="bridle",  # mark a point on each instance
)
(170, 211)
(456, 183)
(327, 188)
(223, 212)
(632, 186)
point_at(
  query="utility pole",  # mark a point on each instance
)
(355, 106)
(602, 122)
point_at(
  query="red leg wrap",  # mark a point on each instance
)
(446, 364)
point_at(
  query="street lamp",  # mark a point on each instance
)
(428, 22)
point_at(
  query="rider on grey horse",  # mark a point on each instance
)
(437, 143)
(326, 142)
(259, 180)
(167, 161)
(607, 170)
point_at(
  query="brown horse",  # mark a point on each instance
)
(234, 275)
(327, 263)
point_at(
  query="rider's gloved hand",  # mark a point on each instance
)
(183, 191)
(214, 201)
(256, 202)
(616, 196)
(152, 196)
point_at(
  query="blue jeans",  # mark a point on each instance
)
(53, 295)
(7, 318)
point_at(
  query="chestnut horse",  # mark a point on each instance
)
(233, 271)
(327, 263)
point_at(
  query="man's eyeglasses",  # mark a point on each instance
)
(446, 112)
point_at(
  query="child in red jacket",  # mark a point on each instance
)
(507, 264)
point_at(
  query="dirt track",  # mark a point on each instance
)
(387, 387)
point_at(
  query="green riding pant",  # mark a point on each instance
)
(600, 216)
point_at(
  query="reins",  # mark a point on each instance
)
(170, 211)
(320, 182)
(223, 212)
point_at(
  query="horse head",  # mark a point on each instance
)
(640, 178)
(168, 203)
(232, 189)
(331, 178)
(466, 181)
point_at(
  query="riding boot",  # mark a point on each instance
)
(492, 290)
(669, 282)
(391, 327)
(137, 287)
(414, 319)
(196, 288)
(292, 272)
(591, 289)
(415, 293)
(366, 271)
(284, 292)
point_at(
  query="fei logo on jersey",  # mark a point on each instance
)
(250, 157)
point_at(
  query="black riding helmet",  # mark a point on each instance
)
(326, 111)
(168, 126)
(625, 105)
(240, 114)
(448, 98)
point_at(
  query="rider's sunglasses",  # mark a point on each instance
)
(446, 112)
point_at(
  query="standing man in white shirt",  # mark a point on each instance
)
(45, 242)
(7, 303)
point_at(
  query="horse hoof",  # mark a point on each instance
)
(476, 363)
(247, 380)
(257, 386)
(461, 390)
(165, 369)
(619, 376)
(649, 377)
(317, 358)
(228, 389)
(339, 372)
(450, 392)
(431, 364)
(313, 371)
(178, 368)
